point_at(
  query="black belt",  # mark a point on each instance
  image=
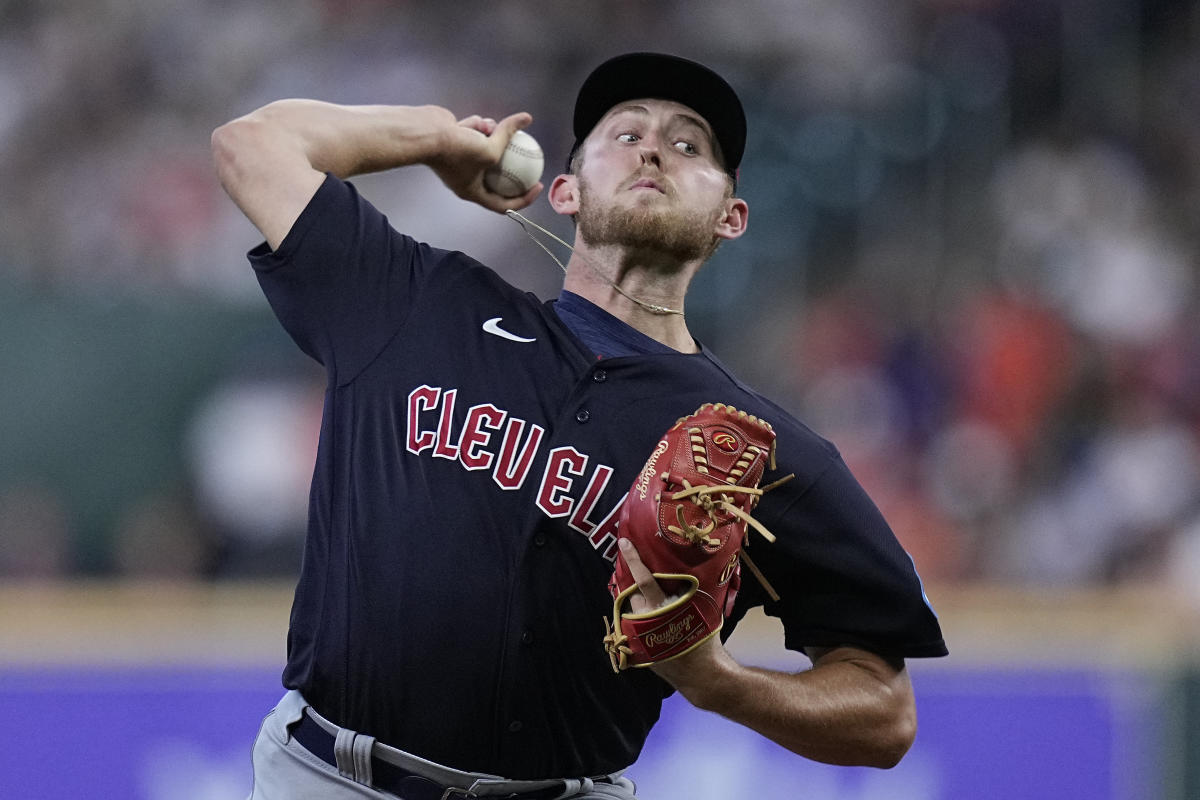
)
(397, 780)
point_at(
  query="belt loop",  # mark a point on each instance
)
(343, 753)
(574, 786)
(362, 748)
(352, 752)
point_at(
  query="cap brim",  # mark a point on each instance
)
(665, 77)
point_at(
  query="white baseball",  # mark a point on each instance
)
(520, 167)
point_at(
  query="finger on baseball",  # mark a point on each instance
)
(647, 585)
(506, 127)
(528, 197)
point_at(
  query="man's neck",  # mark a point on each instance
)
(641, 287)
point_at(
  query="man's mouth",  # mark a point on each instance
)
(648, 183)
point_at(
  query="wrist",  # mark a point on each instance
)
(707, 677)
(435, 131)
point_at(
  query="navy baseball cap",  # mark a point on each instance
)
(664, 77)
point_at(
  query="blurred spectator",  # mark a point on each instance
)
(1183, 562)
(34, 533)
(160, 537)
(252, 445)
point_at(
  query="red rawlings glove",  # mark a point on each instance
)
(687, 514)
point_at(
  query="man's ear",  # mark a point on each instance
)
(564, 195)
(732, 223)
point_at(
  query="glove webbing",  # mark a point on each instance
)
(703, 497)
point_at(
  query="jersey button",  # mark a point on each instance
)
(515, 726)
(582, 415)
(599, 376)
(527, 637)
(539, 540)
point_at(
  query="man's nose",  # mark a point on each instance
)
(650, 151)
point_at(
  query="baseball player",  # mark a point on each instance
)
(476, 444)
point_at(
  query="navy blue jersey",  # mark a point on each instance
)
(473, 453)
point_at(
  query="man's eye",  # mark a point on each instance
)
(628, 138)
(686, 147)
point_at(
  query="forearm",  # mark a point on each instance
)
(348, 140)
(851, 709)
(272, 160)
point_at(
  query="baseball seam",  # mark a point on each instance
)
(512, 176)
(521, 151)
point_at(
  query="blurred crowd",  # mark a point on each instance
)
(972, 260)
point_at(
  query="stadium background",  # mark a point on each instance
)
(972, 264)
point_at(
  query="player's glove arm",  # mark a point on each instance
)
(685, 527)
(853, 708)
(272, 160)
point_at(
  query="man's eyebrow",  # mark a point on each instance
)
(699, 123)
(710, 136)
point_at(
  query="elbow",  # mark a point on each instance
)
(895, 738)
(895, 719)
(249, 145)
(230, 144)
(891, 754)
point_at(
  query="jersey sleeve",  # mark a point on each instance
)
(842, 576)
(343, 281)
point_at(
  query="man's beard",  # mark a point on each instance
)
(664, 231)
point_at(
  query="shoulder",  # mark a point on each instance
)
(792, 436)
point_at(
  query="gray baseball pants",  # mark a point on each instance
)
(284, 770)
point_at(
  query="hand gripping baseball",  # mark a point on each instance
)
(471, 147)
(688, 516)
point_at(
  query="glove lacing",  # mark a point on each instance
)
(615, 642)
(715, 498)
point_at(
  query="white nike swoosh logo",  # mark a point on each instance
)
(492, 326)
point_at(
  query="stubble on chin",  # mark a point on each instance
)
(652, 228)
